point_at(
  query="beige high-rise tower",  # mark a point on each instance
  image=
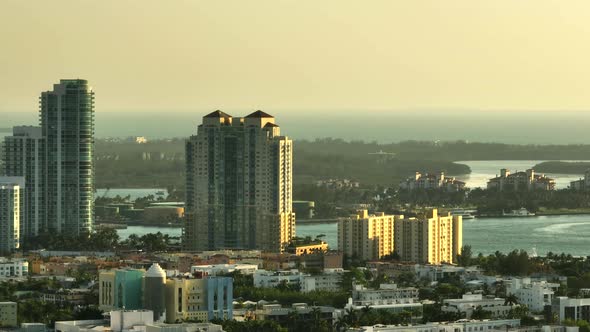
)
(239, 184)
(433, 240)
(366, 236)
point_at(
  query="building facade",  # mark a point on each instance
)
(521, 181)
(24, 153)
(11, 213)
(239, 185)
(534, 294)
(571, 308)
(8, 316)
(432, 181)
(13, 267)
(199, 299)
(67, 124)
(369, 237)
(582, 184)
(470, 302)
(269, 279)
(120, 289)
(434, 239)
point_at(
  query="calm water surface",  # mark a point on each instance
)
(569, 234)
(482, 170)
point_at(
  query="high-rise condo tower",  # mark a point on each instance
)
(67, 123)
(239, 184)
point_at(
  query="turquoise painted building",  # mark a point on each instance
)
(121, 288)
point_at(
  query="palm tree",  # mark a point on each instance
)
(316, 318)
(511, 299)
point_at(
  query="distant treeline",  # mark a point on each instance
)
(562, 167)
(160, 163)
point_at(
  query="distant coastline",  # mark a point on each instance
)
(562, 167)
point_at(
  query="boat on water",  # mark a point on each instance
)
(466, 214)
(522, 212)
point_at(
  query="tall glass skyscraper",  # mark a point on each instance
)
(67, 123)
(239, 184)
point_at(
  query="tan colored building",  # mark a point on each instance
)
(159, 214)
(521, 181)
(433, 240)
(367, 236)
(305, 249)
(8, 316)
(198, 299)
(239, 184)
(186, 300)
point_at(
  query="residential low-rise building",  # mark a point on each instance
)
(329, 280)
(534, 294)
(465, 325)
(8, 314)
(432, 272)
(63, 296)
(309, 248)
(582, 184)
(132, 321)
(304, 312)
(521, 181)
(217, 269)
(322, 260)
(571, 308)
(269, 279)
(432, 181)
(465, 306)
(14, 267)
(386, 294)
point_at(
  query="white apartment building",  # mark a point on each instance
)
(213, 270)
(469, 302)
(369, 237)
(438, 272)
(386, 294)
(267, 279)
(534, 294)
(575, 309)
(13, 267)
(459, 326)
(327, 281)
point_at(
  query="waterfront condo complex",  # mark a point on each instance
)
(521, 181)
(239, 184)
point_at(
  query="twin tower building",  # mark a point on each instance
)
(239, 184)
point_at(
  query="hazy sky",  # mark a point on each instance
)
(300, 54)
